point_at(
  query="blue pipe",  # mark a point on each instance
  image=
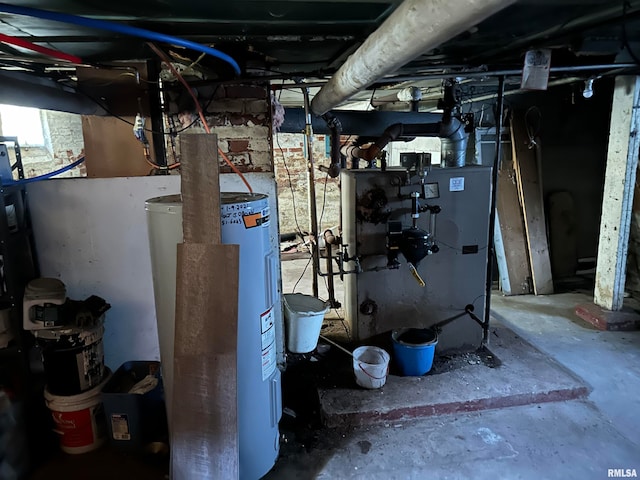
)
(46, 175)
(117, 28)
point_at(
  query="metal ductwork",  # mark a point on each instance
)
(415, 27)
(453, 138)
(17, 88)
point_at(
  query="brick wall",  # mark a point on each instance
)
(63, 145)
(241, 117)
(289, 149)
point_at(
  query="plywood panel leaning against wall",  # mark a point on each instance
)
(111, 149)
(515, 275)
(527, 174)
(204, 427)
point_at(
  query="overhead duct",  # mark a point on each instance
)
(415, 27)
(25, 90)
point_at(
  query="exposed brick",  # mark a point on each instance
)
(245, 91)
(293, 155)
(257, 144)
(248, 119)
(227, 105)
(63, 145)
(256, 106)
(237, 146)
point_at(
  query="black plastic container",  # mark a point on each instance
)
(73, 359)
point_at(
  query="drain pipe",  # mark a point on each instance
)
(336, 130)
(415, 27)
(313, 209)
(492, 215)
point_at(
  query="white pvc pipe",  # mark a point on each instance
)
(414, 28)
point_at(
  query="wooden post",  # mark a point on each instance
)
(620, 176)
(204, 436)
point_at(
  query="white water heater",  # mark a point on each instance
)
(245, 222)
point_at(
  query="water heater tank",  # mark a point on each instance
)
(245, 222)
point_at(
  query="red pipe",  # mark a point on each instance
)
(18, 42)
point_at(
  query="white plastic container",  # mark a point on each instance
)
(78, 419)
(304, 315)
(371, 366)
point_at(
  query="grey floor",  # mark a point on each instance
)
(564, 440)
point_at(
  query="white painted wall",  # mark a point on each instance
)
(92, 234)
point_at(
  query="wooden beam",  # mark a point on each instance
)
(511, 247)
(200, 189)
(526, 168)
(204, 441)
(620, 175)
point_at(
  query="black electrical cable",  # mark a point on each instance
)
(149, 130)
(293, 196)
(302, 274)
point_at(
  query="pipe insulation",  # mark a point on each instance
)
(415, 27)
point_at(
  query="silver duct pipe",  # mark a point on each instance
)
(453, 140)
(415, 27)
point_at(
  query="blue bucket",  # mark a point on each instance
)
(413, 350)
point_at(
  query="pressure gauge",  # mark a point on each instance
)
(431, 190)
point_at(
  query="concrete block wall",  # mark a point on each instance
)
(290, 153)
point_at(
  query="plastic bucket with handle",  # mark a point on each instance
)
(78, 419)
(304, 315)
(413, 350)
(371, 366)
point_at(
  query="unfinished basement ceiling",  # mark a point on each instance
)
(313, 38)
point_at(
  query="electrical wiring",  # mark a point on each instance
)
(164, 57)
(149, 130)
(293, 196)
(49, 52)
(118, 28)
(151, 163)
(302, 274)
(533, 127)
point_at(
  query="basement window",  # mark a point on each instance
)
(418, 145)
(24, 123)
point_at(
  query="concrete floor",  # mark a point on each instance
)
(565, 439)
(581, 438)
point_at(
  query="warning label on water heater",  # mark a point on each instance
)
(268, 330)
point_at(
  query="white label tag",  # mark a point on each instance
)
(456, 184)
(267, 327)
(535, 73)
(120, 427)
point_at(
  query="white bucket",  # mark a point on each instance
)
(79, 419)
(371, 366)
(304, 315)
